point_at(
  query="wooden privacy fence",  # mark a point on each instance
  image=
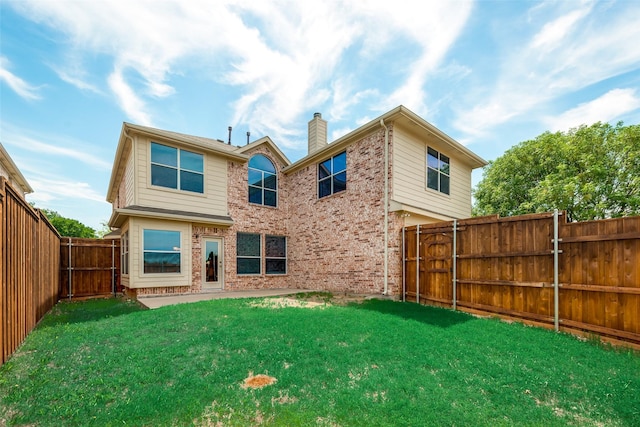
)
(89, 267)
(578, 277)
(29, 263)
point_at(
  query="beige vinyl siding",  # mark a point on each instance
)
(137, 278)
(213, 201)
(409, 182)
(129, 182)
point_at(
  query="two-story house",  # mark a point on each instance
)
(197, 214)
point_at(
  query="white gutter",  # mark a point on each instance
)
(386, 208)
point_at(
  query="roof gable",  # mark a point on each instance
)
(400, 114)
(272, 147)
(13, 171)
(129, 131)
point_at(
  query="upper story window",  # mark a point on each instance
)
(161, 251)
(332, 175)
(176, 168)
(438, 171)
(263, 181)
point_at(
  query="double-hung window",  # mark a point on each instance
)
(161, 252)
(438, 171)
(248, 253)
(177, 168)
(263, 181)
(275, 254)
(332, 175)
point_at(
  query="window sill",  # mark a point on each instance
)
(330, 196)
(437, 192)
(176, 191)
(259, 205)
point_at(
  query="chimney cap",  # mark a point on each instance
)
(319, 115)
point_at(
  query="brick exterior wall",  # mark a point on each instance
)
(337, 242)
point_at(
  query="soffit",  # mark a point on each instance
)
(119, 216)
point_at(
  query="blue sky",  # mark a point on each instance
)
(488, 73)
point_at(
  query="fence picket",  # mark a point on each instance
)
(29, 259)
(89, 267)
(505, 266)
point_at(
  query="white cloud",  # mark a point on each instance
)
(72, 73)
(434, 26)
(281, 54)
(129, 102)
(17, 84)
(59, 147)
(47, 190)
(553, 32)
(609, 106)
(589, 46)
(76, 81)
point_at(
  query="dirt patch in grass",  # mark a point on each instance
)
(282, 302)
(258, 381)
(319, 300)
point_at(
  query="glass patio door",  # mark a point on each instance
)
(212, 263)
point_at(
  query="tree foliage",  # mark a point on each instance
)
(592, 172)
(68, 227)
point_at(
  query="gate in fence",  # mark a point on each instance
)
(578, 277)
(89, 267)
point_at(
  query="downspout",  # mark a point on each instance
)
(386, 207)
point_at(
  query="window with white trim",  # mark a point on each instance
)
(177, 168)
(275, 256)
(263, 181)
(332, 175)
(438, 171)
(161, 253)
(248, 253)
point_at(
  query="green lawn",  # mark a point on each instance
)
(107, 362)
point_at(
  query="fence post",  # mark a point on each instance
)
(69, 268)
(113, 267)
(418, 263)
(404, 267)
(454, 260)
(556, 322)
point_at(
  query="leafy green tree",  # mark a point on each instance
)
(592, 172)
(68, 227)
(104, 230)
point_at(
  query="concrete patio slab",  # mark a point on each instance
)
(160, 301)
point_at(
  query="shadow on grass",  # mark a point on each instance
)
(435, 316)
(66, 312)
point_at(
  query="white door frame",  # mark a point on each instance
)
(219, 284)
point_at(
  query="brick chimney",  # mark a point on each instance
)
(317, 133)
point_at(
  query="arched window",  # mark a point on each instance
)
(263, 181)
